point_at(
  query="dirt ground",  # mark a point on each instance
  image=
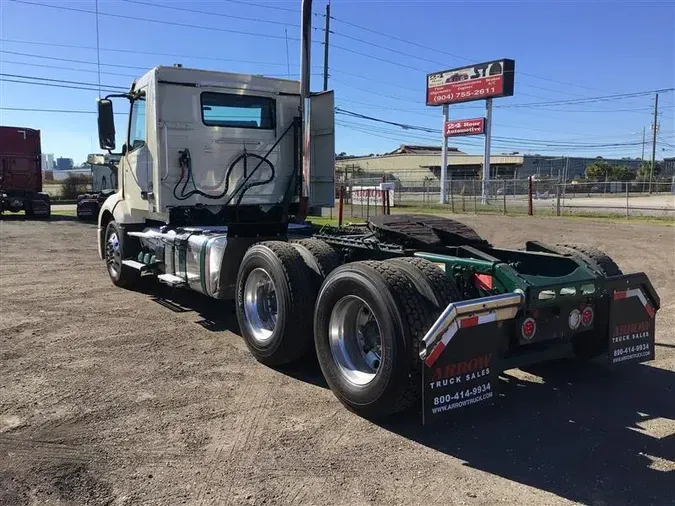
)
(113, 397)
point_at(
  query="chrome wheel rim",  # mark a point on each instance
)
(355, 340)
(113, 254)
(260, 305)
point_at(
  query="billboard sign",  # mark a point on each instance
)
(475, 82)
(474, 126)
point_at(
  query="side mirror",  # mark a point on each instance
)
(106, 124)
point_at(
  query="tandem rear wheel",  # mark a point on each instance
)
(368, 321)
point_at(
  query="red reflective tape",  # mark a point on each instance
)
(433, 356)
(483, 281)
(620, 295)
(468, 322)
(650, 310)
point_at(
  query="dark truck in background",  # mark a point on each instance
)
(21, 173)
(104, 184)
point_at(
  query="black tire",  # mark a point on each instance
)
(296, 289)
(28, 209)
(120, 275)
(592, 343)
(593, 256)
(319, 255)
(429, 280)
(403, 317)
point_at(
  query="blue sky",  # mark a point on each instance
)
(563, 51)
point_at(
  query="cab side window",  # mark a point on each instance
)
(137, 131)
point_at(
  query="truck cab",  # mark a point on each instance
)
(207, 147)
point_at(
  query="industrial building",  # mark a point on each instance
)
(411, 164)
(64, 163)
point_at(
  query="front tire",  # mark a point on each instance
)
(117, 248)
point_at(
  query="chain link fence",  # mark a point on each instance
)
(364, 198)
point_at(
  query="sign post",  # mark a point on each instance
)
(485, 189)
(444, 155)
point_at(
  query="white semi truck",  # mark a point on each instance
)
(216, 174)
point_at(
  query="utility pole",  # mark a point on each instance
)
(485, 187)
(325, 48)
(654, 128)
(643, 144)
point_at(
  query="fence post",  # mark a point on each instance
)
(557, 200)
(530, 209)
(627, 209)
(384, 206)
(504, 194)
(473, 190)
(452, 199)
(351, 198)
(367, 204)
(341, 204)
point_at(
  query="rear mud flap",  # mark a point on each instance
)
(461, 372)
(40, 207)
(632, 319)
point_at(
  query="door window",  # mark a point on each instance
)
(137, 129)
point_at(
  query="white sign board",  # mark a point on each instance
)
(364, 195)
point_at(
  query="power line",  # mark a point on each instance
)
(135, 51)
(520, 140)
(273, 7)
(56, 58)
(158, 21)
(589, 100)
(59, 111)
(399, 136)
(55, 85)
(60, 67)
(47, 79)
(212, 13)
(430, 48)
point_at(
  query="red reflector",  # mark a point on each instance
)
(619, 295)
(468, 322)
(528, 328)
(483, 281)
(650, 310)
(587, 316)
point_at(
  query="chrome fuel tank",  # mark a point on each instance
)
(194, 254)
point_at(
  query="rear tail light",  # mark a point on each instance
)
(574, 319)
(528, 328)
(587, 316)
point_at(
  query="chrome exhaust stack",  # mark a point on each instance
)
(305, 71)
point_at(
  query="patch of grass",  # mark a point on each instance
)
(321, 221)
(444, 210)
(64, 212)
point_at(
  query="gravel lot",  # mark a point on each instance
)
(112, 397)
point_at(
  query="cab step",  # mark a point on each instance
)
(139, 266)
(171, 280)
